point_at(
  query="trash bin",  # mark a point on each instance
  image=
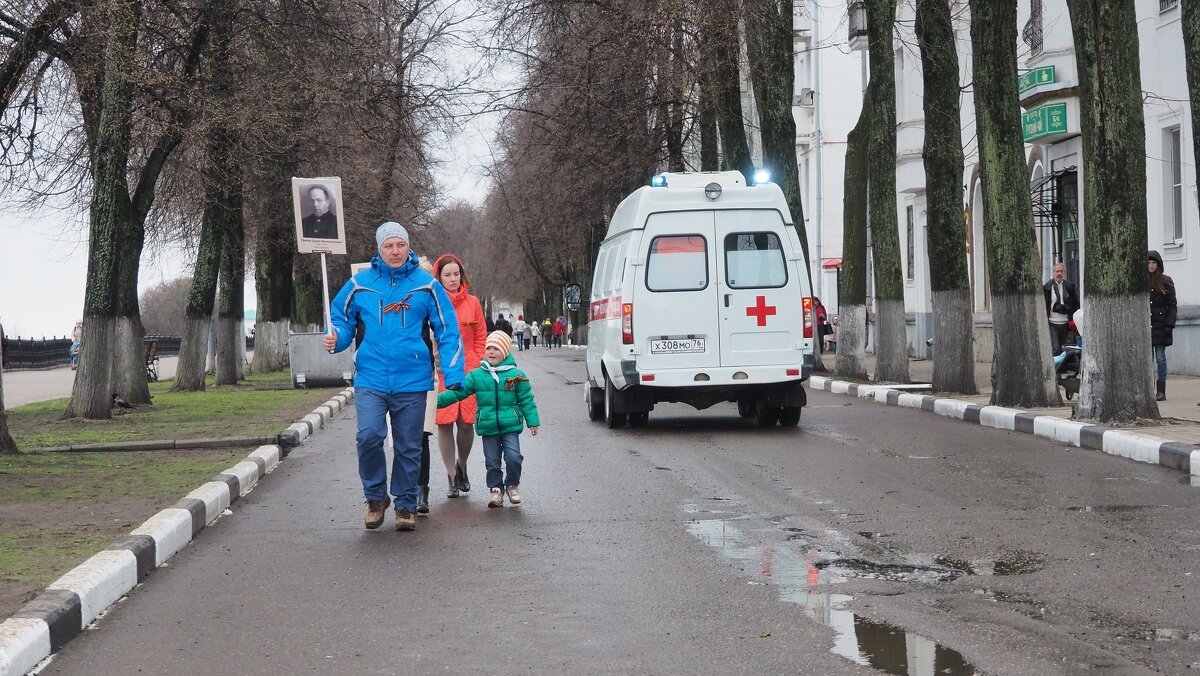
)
(313, 366)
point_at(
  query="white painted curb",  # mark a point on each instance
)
(215, 496)
(171, 530)
(268, 454)
(24, 642)
(100, 581)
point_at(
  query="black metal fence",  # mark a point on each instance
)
(40, 353)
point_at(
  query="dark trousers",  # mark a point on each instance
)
(1060, 334)
(423, 473)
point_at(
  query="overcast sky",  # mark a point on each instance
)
(43, 255)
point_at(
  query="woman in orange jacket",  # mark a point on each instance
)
(449, 270)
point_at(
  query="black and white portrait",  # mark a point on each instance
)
(320, 221)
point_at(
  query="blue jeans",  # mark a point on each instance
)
(407, 411)
(1160, 358)
(507, 444)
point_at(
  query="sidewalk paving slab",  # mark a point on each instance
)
(1173, 441)
(62, 611)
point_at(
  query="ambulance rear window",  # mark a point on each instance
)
(754, 260)
(677, 263)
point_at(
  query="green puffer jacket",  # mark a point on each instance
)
(503, 396)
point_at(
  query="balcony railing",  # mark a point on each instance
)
(1164, 5)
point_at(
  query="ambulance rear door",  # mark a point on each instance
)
(675, 299)
(761, 299)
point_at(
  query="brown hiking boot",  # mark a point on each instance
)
(376, 510)
(405, 520)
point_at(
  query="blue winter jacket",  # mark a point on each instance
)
(391, 306)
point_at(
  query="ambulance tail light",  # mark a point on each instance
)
(627, 323)
(808, 317)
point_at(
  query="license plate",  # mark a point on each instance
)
(677, 346)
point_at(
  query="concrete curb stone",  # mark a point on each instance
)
(58, 614)
(1138, 446)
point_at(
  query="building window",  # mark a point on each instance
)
(910, 267)
(1032, 32)
(1164, 5)
(1173, 184)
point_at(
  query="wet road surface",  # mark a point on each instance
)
(872, 540)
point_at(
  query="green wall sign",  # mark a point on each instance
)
(1035, 78)
(1042, 121)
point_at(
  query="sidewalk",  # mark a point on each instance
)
(1172, 442)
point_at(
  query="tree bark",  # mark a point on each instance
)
(724, 76)
(954, 343)
(231, 305)
(707, 114)
(1191, 52)
(308, 308)
(891, 343)
(852, 282)
(7, 445)
(1117, 374)
(111, 210)
(1022, 373)
(274, 248)
(772, 68)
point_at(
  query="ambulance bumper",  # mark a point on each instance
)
(740, 376)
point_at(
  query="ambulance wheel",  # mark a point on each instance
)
(745, 407)
(639, 419)
(766, 415)
(612, 419)
(594, 396)
(789, 416)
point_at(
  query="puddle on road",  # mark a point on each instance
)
(1111, 508)
(799, 573)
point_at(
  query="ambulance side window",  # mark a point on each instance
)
(754, 260)
(677, 263)
(600, 283)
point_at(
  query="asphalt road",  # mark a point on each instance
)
(873, 539)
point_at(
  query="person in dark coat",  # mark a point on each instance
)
(1162, 318)
(1062, 301)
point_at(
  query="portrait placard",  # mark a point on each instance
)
(356, 268)
(320, 217)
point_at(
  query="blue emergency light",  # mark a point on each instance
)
(658, 181)
(762, 176)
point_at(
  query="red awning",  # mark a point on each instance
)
(831, 263)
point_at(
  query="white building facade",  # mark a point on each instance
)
(829, 79)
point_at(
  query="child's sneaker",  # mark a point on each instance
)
(497, 499)
(513, 496)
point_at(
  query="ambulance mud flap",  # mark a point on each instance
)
(784, 394)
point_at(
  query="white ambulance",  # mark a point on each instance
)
(701, 295)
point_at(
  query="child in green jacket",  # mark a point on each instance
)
(505, 406)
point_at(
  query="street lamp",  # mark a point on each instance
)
(857, 25)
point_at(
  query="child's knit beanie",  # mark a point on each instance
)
(500, 341)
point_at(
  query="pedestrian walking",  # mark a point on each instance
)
(822, 318)
(535, 332)
(527, 335)
(506, 407)
(1162, 318)
(560, 327)
(1062, 302)
(832, 337)
(392, 303)
(455, 436)
(76, 344)
(519, 328)
(547, 333)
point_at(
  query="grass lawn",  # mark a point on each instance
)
(57, 509)
(262, 405)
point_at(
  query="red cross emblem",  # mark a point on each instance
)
(760, 310)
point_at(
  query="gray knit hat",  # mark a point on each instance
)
(390, 229)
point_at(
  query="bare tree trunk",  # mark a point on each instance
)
(852, 285)
(771, 51)
(1117, 374)
(7, 445)
(707, 114)
(275, 246)
(954, 344)
(1191, 52)
(891, 343)
(232, 304)
(1022, 373)
(110, 212)
(307, 306)
(721, 26)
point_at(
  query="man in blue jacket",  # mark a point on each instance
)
(389, 304)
